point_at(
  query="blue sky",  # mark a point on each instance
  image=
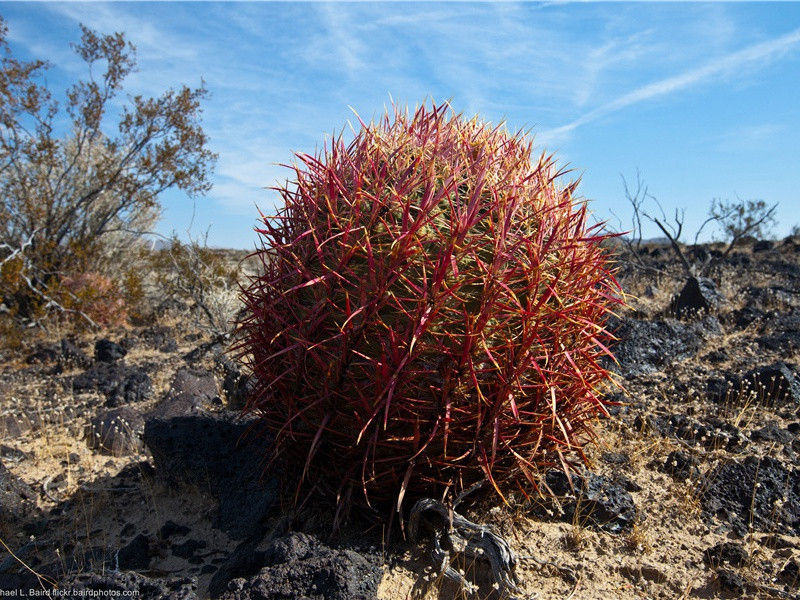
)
(703, 99)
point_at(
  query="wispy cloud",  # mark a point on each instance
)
(769, 50)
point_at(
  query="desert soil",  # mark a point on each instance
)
(692, 489)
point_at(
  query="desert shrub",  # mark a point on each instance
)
(430, 314)
(76, 194)
(198, 281)
(743, 218)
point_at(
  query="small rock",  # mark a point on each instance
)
(213, 448)
(730, 582)
(171, 528)
(119, 384)
(698, 296)
(12, 455)
(160, 338)
(44, 353)
(593, 500)
(717, 356)
(772, 433)
(189, 392)
(135, 556)
(775, 384)
(726, 553)
(645, 346)
(117, 432)
(17, 499)
(763, 245)
(757, 492)
(714, 433)
(15, 425)
(108, 351)
(236, 385)
(681, 466)
(299, 567)
(188, 549)
(616, 458)
(72, 354)
(131, 584)
(790, 574)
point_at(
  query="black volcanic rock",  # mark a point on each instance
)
(108, 351)
(117, 431)
(711, 433)
(119, 384)
(116, 584)
(190, 391)
(214, 449)
(775, 384)
(648, 346)
(681, 466)
(300, 567)
(759, 492)
(726, 553)
(17, 499)
(698, 296)
(135, 556)
(591, 500)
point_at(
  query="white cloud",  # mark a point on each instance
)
(769, 50)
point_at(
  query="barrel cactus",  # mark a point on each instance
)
(430, 314)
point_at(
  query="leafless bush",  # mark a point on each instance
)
(737, 220)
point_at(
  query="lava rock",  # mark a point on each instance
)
(236, 385)
(731, 583)
(714, 433)
(781, 333)
(741, 318)
(108, 351)
(775, 384)
(726, 553)
(761, 492)
(18, 583)
(135, 556)
(17, 499)
(772, 385)
(188, 549)
(44, 353)
(117, 432)
(698, 296)
(722, 389)
(12, 455)
(301, 567)
(189, 392)
(616, 458)
(171, 528)
(772, 433)
(647, 346)
(119, 384)
(681, 466)
(160, 338)
(213, 449)
(593, 500)
(790, 574)
(717, 356)
(65, 351)
(131, 584)
(15, 425)
(72, 354)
